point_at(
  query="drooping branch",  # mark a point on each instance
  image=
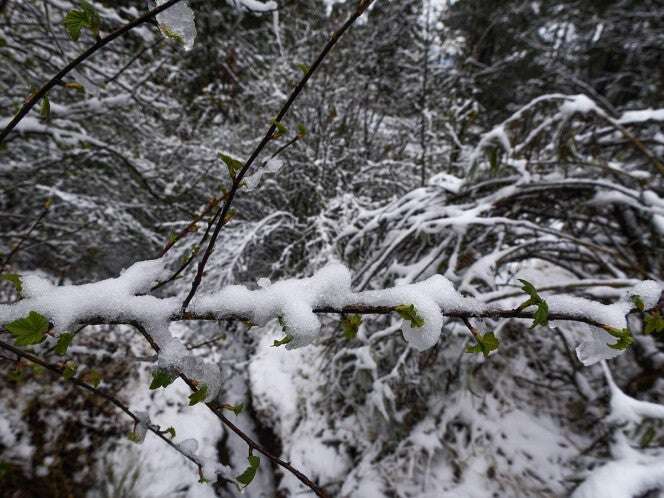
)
(55, 80)
(100, 394)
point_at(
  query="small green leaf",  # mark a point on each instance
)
(70, 370)
(161, 378)
(250, 472)
(74, 22)
(134, 437)
(171, 431)
(5, 468)
(625, 338)
(485, 344)
(282, 342)
(45, 108)
(236, 409)
(15, 279)
(92, 18)
(638, 302)
(93, 377)
(234, 166)
(647, 437)
(170, 33)
(29, 330)
(409, 313)
(198, 396)
(281, 129)
(303, 67)
(301, 130)
(64, 341)
(541, 316)
(654, 323)
(350, 325)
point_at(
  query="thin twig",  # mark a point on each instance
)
(55, 80)
(222, 213)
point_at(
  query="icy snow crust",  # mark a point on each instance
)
(178, 20)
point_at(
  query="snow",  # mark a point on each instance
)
(255, 5)
(641, 116)
(178, 20)
(113, 299)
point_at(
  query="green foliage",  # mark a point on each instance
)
(236, 409)
(161, 378)
(654, 323)
(93, 377)
(64, 341)
(234, 166)
(303, 67)
(134, 437)
(5, 468)
(301, 130)
(198, 396)
(29, 330)
(86, 17)
(171, 432)
(169, 33)
(647, 437)
(638, 302)
(70, 370)
(409, 313)
(15, 280)
(282, 342)
(541, 316)
(45, 109)
(281, 129)
(624, 336)
(249, 473)
(350, 325)
(485, 344)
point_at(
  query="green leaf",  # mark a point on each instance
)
(250, 472)
(70, 370)
(303, 67)
(485, 344)
(234, 166)
(236, 409)
(409, 313)
(74, 21)
(647, 437)
(281, 129)
(350, 325)
(45, 108)
(171, 431)
(198, 396)
(5, 468)
(654, 323)
(541, 316)
(15, 279)
(134, 437)
(29, 330)
(93, 377)
(301, 130)
(170, 33)
(282, 342)
(625, 338)
(86, 17)
(638, 302)
(161, 378)
(64, 341)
